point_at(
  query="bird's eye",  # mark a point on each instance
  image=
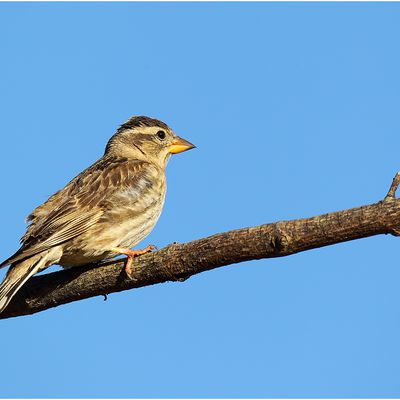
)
(161, 135)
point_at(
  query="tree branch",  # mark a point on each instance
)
(178, 262)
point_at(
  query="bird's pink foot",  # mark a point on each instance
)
(131, 254)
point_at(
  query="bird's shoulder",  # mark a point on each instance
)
(106, 173)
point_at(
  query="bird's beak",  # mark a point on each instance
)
(179, 145)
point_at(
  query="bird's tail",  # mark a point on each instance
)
(17, 275)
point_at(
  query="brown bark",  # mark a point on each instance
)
(178, 262)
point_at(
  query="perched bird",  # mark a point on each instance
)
(104, 211)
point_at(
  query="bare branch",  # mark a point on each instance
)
(178, 262)
(395, 184)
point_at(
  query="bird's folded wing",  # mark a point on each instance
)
(76, 208)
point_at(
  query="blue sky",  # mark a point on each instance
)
(294, 109)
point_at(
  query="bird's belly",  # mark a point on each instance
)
(122, 227)
(130, 232)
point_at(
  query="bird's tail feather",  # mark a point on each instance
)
(17, 275)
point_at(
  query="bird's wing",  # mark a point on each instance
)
(76, 208)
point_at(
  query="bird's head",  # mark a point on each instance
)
(146, 139)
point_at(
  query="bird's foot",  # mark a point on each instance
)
(131, 254)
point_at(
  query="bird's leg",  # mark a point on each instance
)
(131, 254)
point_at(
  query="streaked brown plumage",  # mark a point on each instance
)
(108, 208)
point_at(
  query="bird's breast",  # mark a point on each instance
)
(134, 214)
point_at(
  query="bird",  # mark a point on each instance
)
(104, 211)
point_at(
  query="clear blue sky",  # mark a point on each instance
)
(295, 112)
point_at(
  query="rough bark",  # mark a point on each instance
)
(177, 262)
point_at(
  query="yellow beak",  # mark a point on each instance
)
(179, 145)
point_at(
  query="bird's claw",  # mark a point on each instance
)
(131, 254)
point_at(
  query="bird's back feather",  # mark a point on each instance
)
(82, 203)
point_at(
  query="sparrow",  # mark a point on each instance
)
(104, 211)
